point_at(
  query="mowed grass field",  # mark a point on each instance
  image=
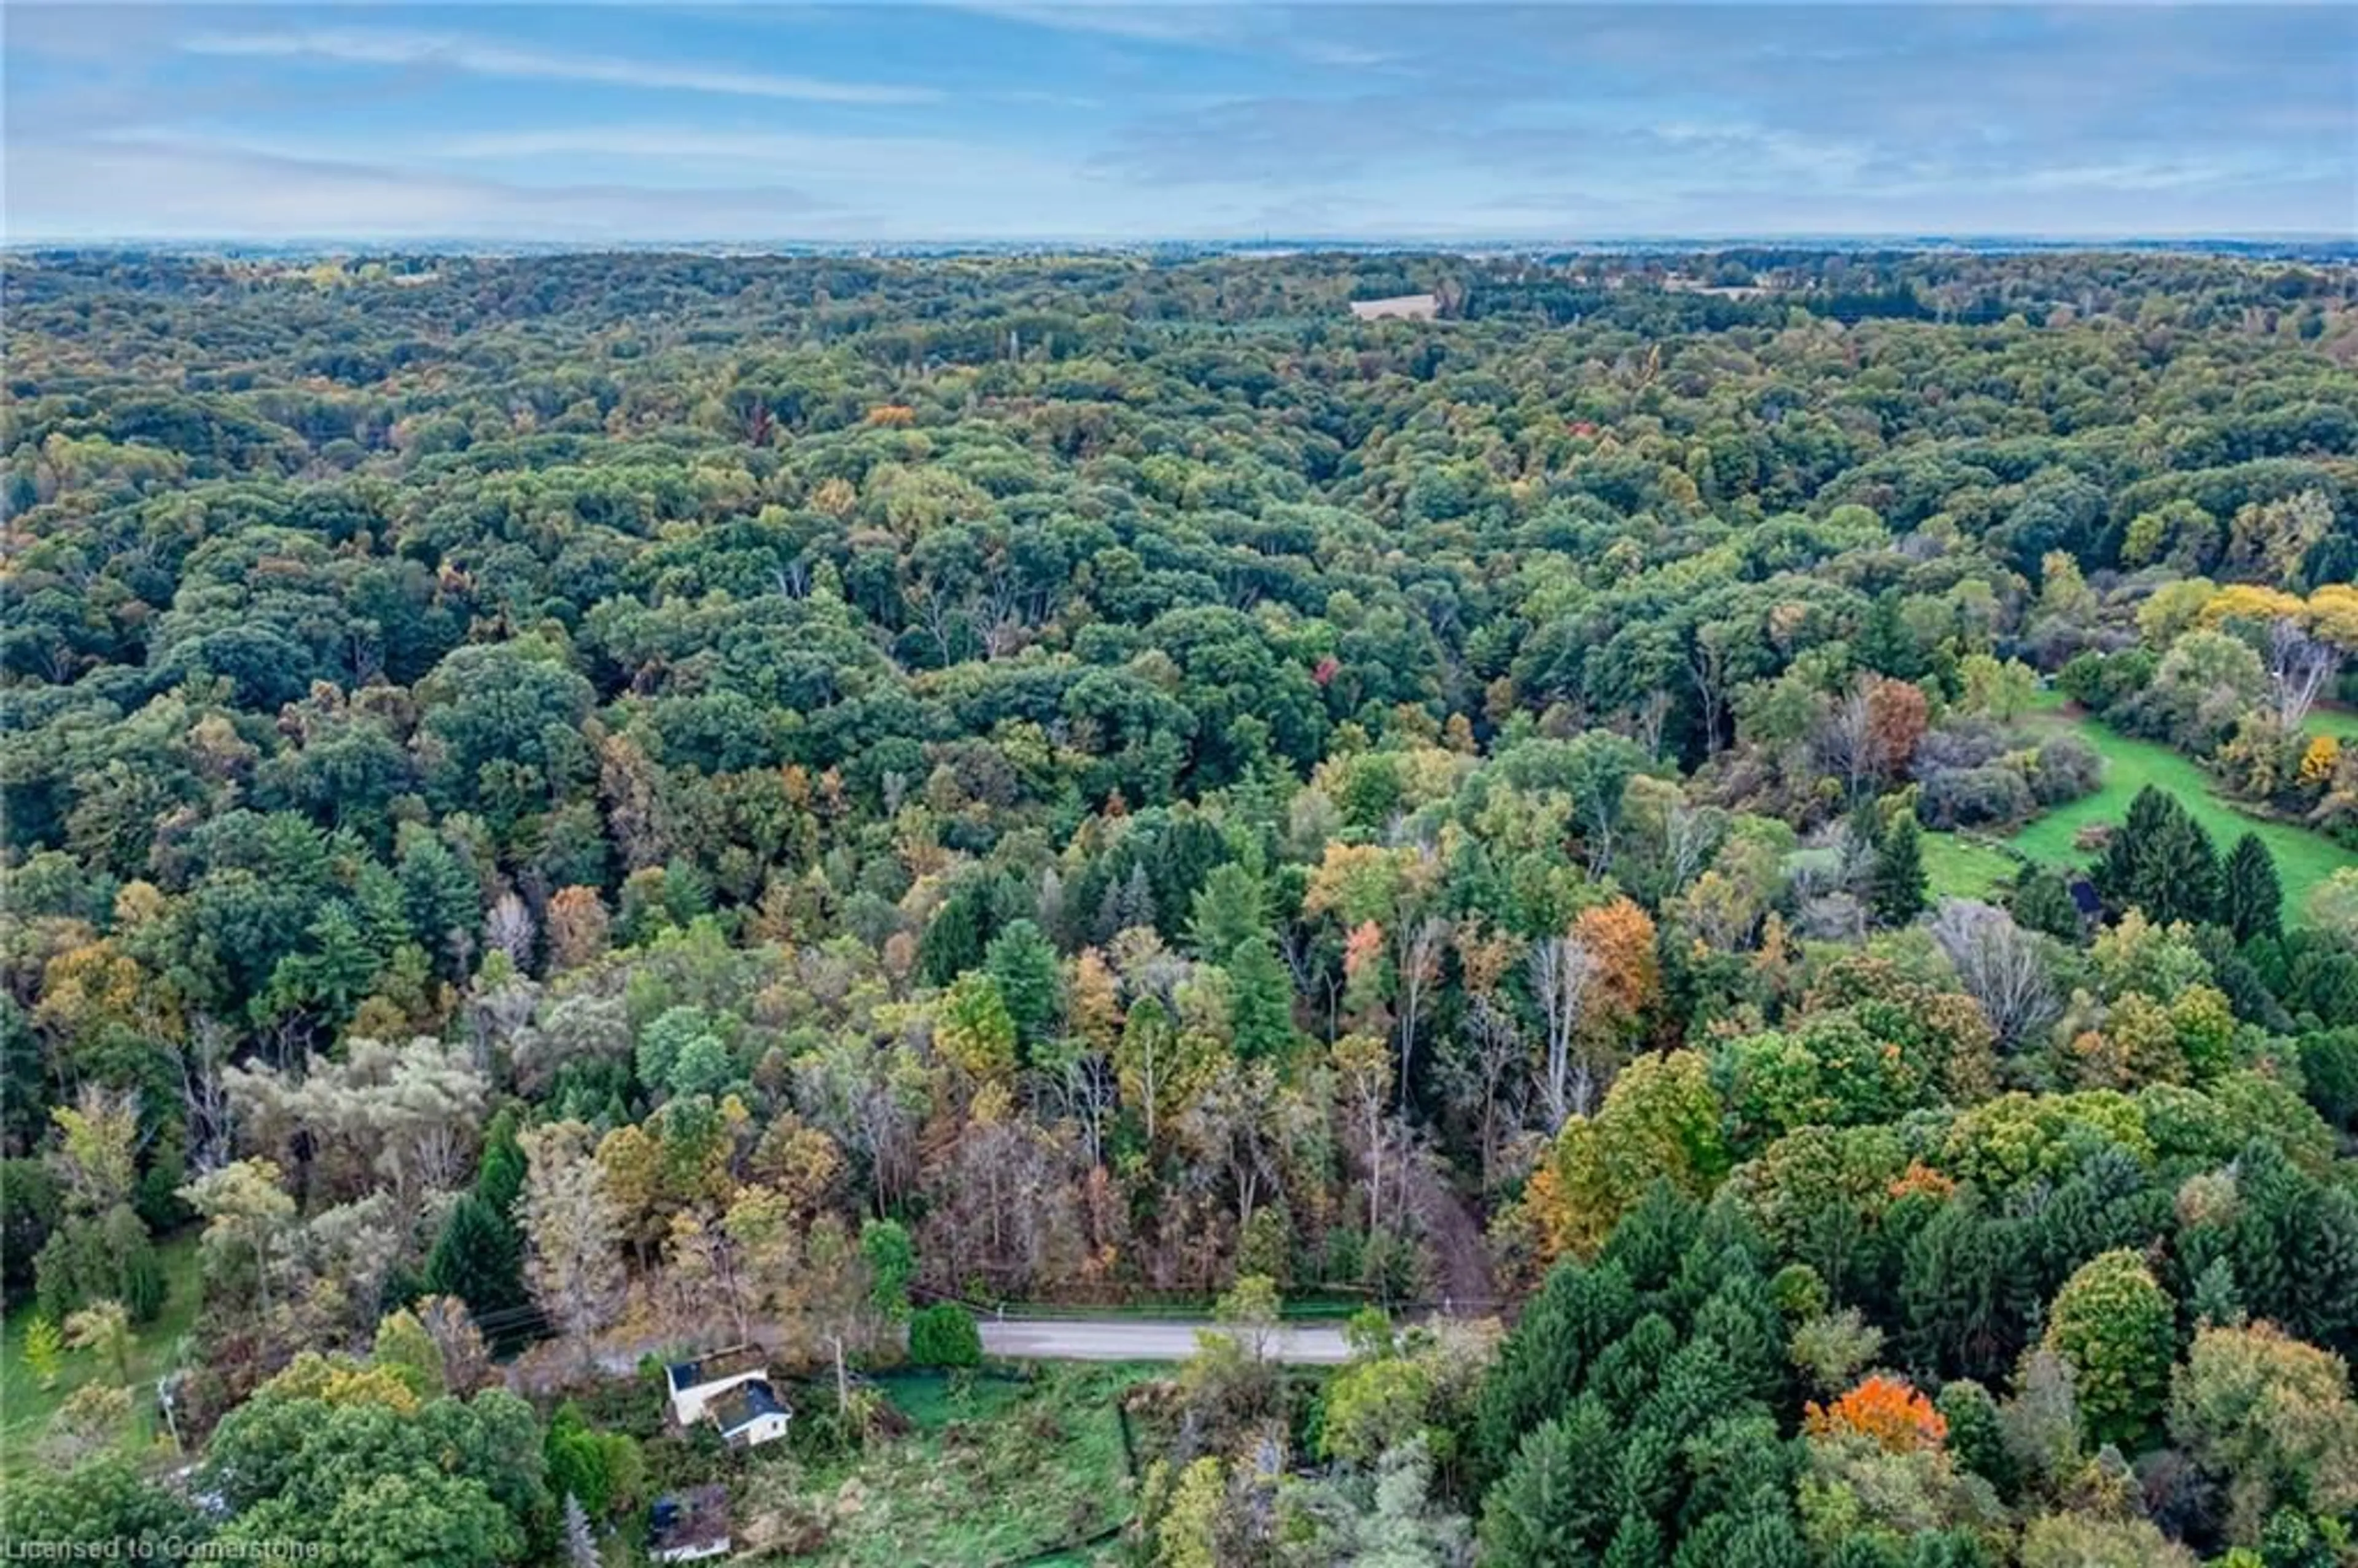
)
(2341, 723)
(1957, 866)
(1961, 868)
(25, 1406)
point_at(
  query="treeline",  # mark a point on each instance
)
(674, 798)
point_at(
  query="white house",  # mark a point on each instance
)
(749, 1415)
(731, 1390)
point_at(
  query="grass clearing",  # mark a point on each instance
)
(2341, 723)
(2303, 858)
(25, 1406)
(1957, 866)
(992, 1471)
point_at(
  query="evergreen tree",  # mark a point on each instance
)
(1957, 1295)
(1637, 1543)
(2161, 861)
(2251, 901)
(2118, 871)
(960, 930)
(1555, 1503)
(1650, 1243)
(581, 1546)
(1024, 965)
(2178, 873)
(1625, 1371)
(479, 1258)
(1974, 1435)
(1578, 1312)
(1260, 998)
(2216, 1301)
(1742, 1319)
(1896, 886)
(1227, 910)
(498, 1178)
(2042, 902)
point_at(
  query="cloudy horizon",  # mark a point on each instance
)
(1021, 121)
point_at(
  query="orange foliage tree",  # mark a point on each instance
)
(1886, 1410)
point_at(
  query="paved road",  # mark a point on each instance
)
(1028, 1339)
(1144, 1339)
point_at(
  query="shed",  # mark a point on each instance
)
(685, 1526)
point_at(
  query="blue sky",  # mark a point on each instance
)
(1015, 120)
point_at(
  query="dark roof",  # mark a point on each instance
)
(746, 1403)
(695, 1516)
(2083, 895)
(714, 1365)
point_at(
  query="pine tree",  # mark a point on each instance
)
(1956, 1294)
(2042, 902)
(1578, 1312)
(581, 1546)
(1974, 1436)
(2252, 898)
(1742, 1320)
(1651, 1241)
(2118, 869)
(1024, 965)
(2178, 873)
(1261, 999)
(1227, 910)
(500, 1175)
(479, 1258)
(2162, 862)
(2216, 1301)
(1556, 1498)
(1637, 1543)
(1896, 888)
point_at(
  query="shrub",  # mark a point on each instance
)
(944, 1334)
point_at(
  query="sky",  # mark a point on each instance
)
(1027, 120)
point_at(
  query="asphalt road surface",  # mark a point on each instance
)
(1141, 1339)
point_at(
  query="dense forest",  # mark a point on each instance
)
(1754, 856)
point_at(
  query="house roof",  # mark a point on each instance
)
(697, 1516)
(711, 1367)
(746, 1403)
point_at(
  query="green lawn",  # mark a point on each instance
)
(2341, 723)
(25, 1406)
(2303, 858)
(992, 1472)
(1956, 867)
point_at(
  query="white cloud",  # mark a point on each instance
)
(1140, 21)
(134, 190)
(477, 56)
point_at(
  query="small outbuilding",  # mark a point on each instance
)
(685, 1526)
